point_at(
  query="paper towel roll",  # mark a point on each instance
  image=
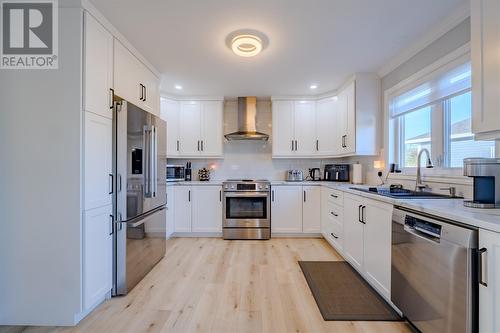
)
(357, 174)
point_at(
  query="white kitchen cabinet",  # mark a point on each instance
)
(353, 232)
(170, 210)
(190, 128)
(182, 208)
(169, 110)
(211, 128)
(311, 209)
(98, 68)
(98, 135)
(485, 43)
(346, 115)
(377, 244)
(332, 220)
(294, 128)
(286, 209)
(326, 129)
(134, 82)
(97, 252)
(489, 288)
(207, 208)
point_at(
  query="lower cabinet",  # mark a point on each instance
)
(197, 208)
(332, 219)
(97, 255)
(367, 239)
(311, 209)
(489, 286)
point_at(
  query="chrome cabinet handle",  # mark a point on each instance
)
(482, 266)
(336, 237)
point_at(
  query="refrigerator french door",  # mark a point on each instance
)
(140, 182)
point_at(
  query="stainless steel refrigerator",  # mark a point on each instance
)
(139, 149)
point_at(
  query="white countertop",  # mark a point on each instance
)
(451, 209)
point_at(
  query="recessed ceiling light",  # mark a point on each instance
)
(178, 87)
(313, 86)
(246, 45)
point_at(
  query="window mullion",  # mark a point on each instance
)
(437, 136)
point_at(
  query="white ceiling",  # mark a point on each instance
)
(310, 41)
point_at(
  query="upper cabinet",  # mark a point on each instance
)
(134, 82)
(334, 126)
(194, 128)
(485, 43)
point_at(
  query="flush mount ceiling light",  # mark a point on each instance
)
(246, 45)
(178, 87)
(313, 86)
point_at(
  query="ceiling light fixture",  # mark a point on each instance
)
(313, 86)
(178, 87)
(246, 45)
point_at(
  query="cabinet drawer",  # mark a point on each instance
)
(333, 211)
(334, 234)
(334, 196)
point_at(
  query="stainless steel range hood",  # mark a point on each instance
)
(247, 111)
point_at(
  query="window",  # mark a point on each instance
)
(435, 114)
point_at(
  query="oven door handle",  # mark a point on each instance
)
(246, 194)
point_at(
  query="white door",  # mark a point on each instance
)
(190, 128)
(97, 252)
(350, 118)
(126, 74)
(305, 128)
(326, 129)
(98, 68)
(98, 160)
(353, 232)
(151, 96)
(286, 209)
(283, 128)
(489, 287)
(377, 245)
(170, 113)
(207, 208)
(211, 128)
(311, 209)
(485, 43)
(182, 208)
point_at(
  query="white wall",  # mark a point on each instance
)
(40, 200)
(250, 159)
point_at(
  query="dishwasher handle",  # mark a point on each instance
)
(422, 234)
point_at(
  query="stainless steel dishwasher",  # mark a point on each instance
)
(434, 272)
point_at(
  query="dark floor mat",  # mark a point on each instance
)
(342, 294)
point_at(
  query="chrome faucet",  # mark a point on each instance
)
(419, 186)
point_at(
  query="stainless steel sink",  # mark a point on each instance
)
(401, 193)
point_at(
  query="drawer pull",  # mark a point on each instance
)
(334, 214)
(336, 237)
(334, 196)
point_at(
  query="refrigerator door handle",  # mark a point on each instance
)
(153, 177)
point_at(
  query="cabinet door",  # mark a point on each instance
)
(182, 208)
(211, 128)
(348, 119)
(170, 210)
(190, 128)
(126, 74)
(326, 129)
(311, 209)
(305, 128)
(485, 42)
(98, 68)
(98, 160)
(283, 128)
(489, 289)
(170, 113)
(377, 245)
(97, 252)
(286, 209)
(353, 232)
(207, 208)
(151, 95)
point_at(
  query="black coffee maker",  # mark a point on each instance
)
(336, 172)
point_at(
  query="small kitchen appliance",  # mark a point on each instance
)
(486, 187)
(175, 173)
(204, 175)
(336, 172)
(246, 209)
(294, 176)
(315, 174)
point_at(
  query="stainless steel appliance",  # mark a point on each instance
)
(140, 196)
(486, 175)
(434, 270)
(246, 209)
(247, 129)
(315, 174)
(294, 176)
(175, 173)
(336, 172)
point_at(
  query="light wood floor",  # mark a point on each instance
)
(212, 285)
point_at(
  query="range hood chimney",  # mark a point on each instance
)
(247, 111)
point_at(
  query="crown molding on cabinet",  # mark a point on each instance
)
(454, 19)
(89, 7)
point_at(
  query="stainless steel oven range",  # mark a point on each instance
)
(246, 209)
